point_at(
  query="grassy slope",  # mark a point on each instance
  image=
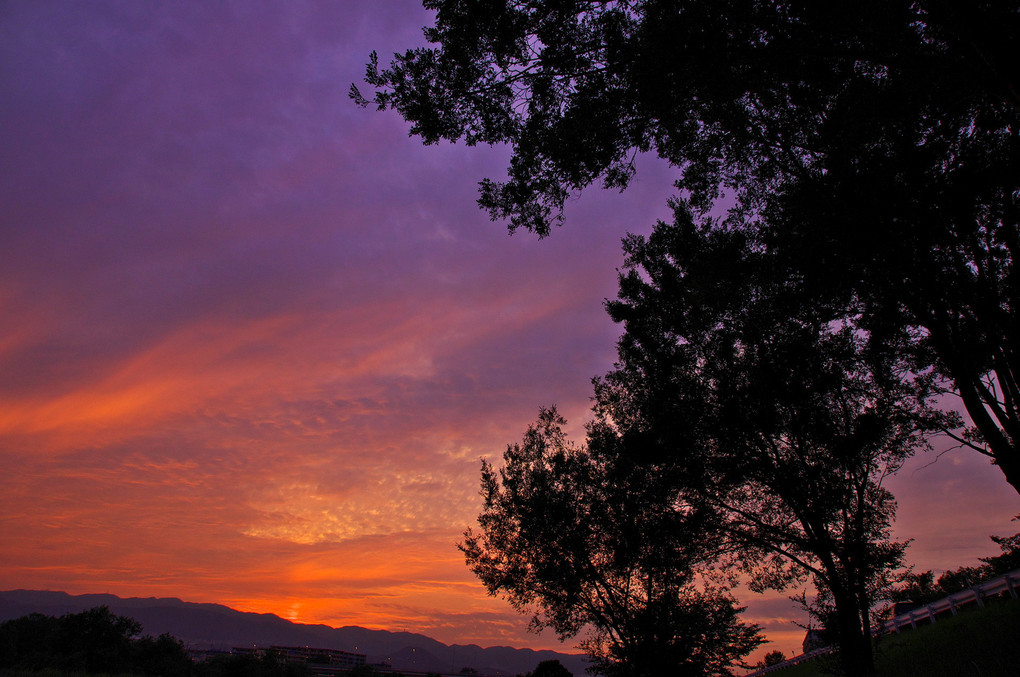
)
(982, 642)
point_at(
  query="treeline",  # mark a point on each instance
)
(98, 642)
(923, 588)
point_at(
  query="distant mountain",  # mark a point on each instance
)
(219, 627)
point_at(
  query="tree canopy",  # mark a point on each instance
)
(873, 144)
(550, 668)
(585, 539)
(786, 422)
(923, 588)
(94, 641)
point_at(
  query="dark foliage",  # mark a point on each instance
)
(919, 588)
(922, 588)
(783, 420)
(97, 642)
(551, 668)
(94, 641)
(164, 656)
(1008, 559)
(583, 537)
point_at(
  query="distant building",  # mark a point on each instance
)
(813, 640)
(203, 655)
(334, 658)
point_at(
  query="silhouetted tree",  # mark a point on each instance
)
(924, 589)
(784, 421)
(162, 656)
(773, 658)
(874, 144)
(552, 668)
(919, 588)
(1009, 557)
(584, 537)
(27, 643)
(94, 641)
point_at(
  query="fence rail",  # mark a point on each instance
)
(1009, 582)
(928, 613)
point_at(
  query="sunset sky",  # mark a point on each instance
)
(255, 340)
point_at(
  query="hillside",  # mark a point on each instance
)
(976, 642)
(217, 626)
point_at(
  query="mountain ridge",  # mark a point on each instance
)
(216, 626)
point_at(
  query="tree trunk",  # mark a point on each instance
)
(1003, 449)
(855, 654)
(1009, 464)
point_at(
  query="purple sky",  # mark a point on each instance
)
(254, 340)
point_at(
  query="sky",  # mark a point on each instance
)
(255, 340)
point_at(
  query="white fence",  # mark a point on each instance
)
(976, 594)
